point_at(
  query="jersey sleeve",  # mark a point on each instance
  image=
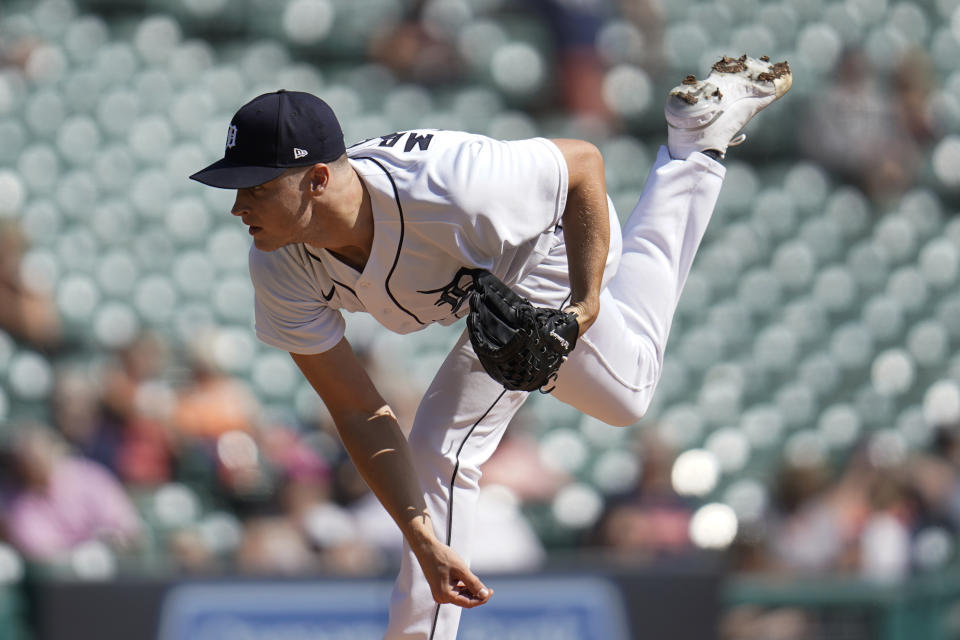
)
(290, 313)
(510, 191)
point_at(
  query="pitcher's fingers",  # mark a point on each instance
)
(464, 598)
(477, 590)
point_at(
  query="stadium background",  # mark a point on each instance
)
(805, 439)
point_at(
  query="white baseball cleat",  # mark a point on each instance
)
(708, 114)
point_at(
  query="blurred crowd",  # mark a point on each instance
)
(153, 421)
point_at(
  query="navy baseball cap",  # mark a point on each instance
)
(272, 133)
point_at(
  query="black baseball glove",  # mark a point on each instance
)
(521, 346)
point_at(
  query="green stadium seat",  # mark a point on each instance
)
(911, 22)
(734, 322)
(233, 298)
(775, 211)
(805, 449)
(117, 63)
(883, 315)
(807, 318)
(684, 44)
(948, 313)
(564, 450)
(824, 237)
(794, 264)
(850, 208)
(14, 135)
(869, 264)
(752, 243)
(44, 112)
(731, 448)
(116, 273)
(615, 471)
(807, 183)
(875, 409)
(620, 41)
(755, 36)
(680, 426)
(719, 398)
(740, 188)
(29, 376)
(939, 263)
(928, 343)
(944, 48)
(851, 346)
(749, 498)
(191, 319)
(194, 274)
(840, 425)
(77, 298)
(898, 237)
(776, 348)
(696, 296)
(674, 379)
(85, 35)
(836, 289)
(893, 372)
(702, 347)
(819, 45)
(115, 324)
(819, 372)
(798, 404)
(909, 288)
(911, 422)
(81, 90)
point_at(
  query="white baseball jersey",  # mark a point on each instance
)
(442, 201)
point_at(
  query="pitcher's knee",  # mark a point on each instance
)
(625, 411)
(623, 417)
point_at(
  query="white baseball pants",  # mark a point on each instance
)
(611, 375)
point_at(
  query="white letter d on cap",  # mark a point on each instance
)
(232, 136)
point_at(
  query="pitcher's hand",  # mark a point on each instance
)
(450, 579)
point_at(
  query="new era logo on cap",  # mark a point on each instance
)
(299, 153)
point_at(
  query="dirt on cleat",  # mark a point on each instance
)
(727, 64)
(779, 70)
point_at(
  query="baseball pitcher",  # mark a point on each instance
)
(424, 226)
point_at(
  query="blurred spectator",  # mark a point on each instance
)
(77, 412)
(26, 312)
(914, 80)
(418, 50)
(120, 420)
(652, 521)
(816, 521)
(212, 403)
(131, 367)
(867, 132)
(59, 501)
(757, 623)
(274, 545)
(885, 538)
(306, 499)
(416, 53)
(190, 553)
(579, 68)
